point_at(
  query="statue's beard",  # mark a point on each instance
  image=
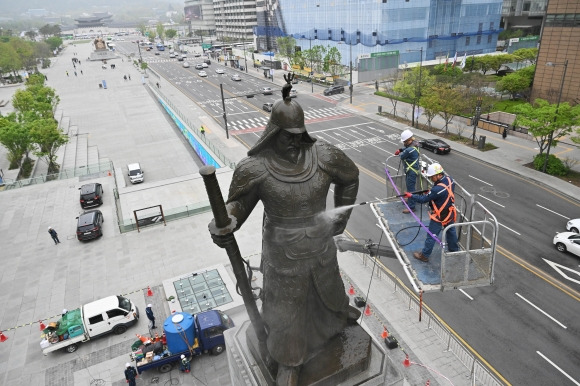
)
(293, 154)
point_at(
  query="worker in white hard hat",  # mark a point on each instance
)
(410, 158)
(130, 374)
(441, 199)
(185, 365)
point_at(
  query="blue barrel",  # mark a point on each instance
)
(179, 331)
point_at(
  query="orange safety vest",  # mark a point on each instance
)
(444, 214)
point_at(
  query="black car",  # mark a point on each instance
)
(91, 195)
(333, 90)
(267, 106)
(90, 225)
(437, 146)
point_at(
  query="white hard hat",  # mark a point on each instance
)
(64, 310)
(406, 134)
(434, 169)
(182, 356)
(49, 228)
(149, 305)
(127, 364)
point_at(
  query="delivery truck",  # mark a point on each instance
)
(113, 314)
(183, 334)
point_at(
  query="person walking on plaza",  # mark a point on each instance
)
(410, 158)
(129, 76)
(130, 374)
(441, 199)
(54, 235)
(202, 130)
(150, 316)
(67, 73)
(185, 364)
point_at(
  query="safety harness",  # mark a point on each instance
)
(446, 213)
(409, 166)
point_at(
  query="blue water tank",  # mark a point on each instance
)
(179, 331)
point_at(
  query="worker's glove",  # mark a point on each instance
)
(407, 195)
(398, 152)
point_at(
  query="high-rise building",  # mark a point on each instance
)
(235, 19)
(199, 15)
(362, 27)
(524, 14)
(559, 52)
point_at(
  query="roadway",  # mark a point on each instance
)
(520, 324)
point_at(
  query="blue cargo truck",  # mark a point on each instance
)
(185, 334)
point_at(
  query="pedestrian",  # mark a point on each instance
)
(130, 374)
(67, 73)
(202, 130)
(185, 364)
(410, 158)
(441, 199)
(129, 75)
(81, 72)
(157, 85)
(79, 62)
(504, 134)
(76, 73)
(125, 77)
(54, 235)
(45, 77)
(150, 316)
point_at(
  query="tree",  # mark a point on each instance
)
(448, 102)
(15, 138)
(25, 51)
(48, 139)
(430, 102)
(496, 61)
(160, 28)
(286, 46)
(541, 120)
(513, 83)
(523, 54)
(54, 42)
(332, 61)
(483, 64)
(9, 59)
(50, 30)
(170, 33)
(31, 35)
(152, 35)
(409, 87)
(142, 27)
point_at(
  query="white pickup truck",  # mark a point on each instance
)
(111, 314)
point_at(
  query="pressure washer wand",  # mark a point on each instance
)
(388, 198)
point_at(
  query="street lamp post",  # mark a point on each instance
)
(418, 95)
(565, 64)
(225, 116)
(476, 118)
(350, 87)
(311, 70)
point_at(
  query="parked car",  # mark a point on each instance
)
(185, 65)
(203, 74)
(333, 90)
(198, 66)
(437, 146)
(293, 93)
(573, 225)
(267, 106)
(236, 78)
(568, 241)
(91, 195)
(219, 71)
(267, 90)
(90, 225)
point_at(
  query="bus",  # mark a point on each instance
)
(160, 47)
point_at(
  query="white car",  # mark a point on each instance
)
(219, 71)
(293, 93)
(568, 241)
(204, 65)
(185, 65)
(573, 225)
(267, 90)
(202, 73)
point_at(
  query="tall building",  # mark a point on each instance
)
(235, 19)
(560, 42)
(524, 14)
(437, 27)
(200, 17)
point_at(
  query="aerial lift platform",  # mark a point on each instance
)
(476, 227)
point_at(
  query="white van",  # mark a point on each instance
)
(135, 173)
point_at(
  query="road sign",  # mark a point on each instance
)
(205, 46)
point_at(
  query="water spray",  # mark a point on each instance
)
(388, 198)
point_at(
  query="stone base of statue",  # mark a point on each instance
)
(350, 358)
(103, 55)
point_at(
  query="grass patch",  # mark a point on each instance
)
(507, 105)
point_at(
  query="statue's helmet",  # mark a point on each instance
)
(287, 115)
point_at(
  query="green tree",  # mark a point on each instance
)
(513, 83)
(523, 54)
(50, 30)
(48, 138)
(483, 63)
(54, 42)
(9, 59)
(541, 120)
(160, 28)
(170, 33)
(450, 103)
(430, 103)
(411, 88)
(15, 138)
(142, 28)
(31, 34)
(42, 50)
(25, 51)
(332, 61)
(152, 35)
(287, 47)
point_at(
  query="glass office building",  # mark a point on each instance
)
(359, 27)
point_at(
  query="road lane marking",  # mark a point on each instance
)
(482, 181)
(465, 293)
(509, 229)
(551, 211)
(560, 268)
(559, 369)
(542, 311)
(490, 200)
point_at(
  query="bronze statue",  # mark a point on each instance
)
(304, 302)
(100, 44)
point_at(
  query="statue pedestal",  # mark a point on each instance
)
(103, 55)
(350, 358)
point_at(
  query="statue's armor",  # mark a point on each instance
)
(304, 300)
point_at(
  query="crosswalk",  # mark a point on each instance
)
(310, 115)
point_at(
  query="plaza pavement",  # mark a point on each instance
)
(38, 279)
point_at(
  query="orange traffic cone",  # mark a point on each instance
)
(428, 383)
(351, 290)
(149, 292)
(368, 311)
(2, 337)
(156, 339)
(407, 362)
(42, 325)
(143, 339)
(109, 173)
(385, 333)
